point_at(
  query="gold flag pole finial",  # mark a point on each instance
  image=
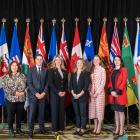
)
(137, 19)
(16, 20)
(27, 20)
(115, 19)
(76, 19)
(104, 20)
(63, 20)
(125, 19)
(41, 20)
(53, 21)
(89, 20)
(3, 20)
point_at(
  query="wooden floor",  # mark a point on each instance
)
(132, 133)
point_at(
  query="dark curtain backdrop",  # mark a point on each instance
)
(69, 9)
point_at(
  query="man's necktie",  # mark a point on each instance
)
(39, 77)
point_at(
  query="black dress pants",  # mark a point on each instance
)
(16, 108)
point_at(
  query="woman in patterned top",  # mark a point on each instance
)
(14, 85)
(97, 94)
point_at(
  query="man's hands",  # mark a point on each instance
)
(40, 96)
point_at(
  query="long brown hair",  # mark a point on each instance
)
(93, 66)
(10, 71)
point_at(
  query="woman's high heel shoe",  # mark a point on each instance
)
(116, 134)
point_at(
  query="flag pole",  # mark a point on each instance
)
(138, 20)
(104, 20)
(27, 21)
(15, 21)
(127, 109)
(115, 20)
(41, 20)
(53, 21)
(63, 22)
(76, 20)
(3, 22)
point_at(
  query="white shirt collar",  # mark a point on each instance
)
(38, 67)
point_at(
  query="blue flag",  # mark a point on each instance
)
(53, 45)
(2, 99)
(4, 61)
(89, 46)
(15, 50)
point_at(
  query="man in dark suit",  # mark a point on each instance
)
(37, 82)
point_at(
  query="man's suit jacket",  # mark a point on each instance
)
(34, 83)
(82, 84)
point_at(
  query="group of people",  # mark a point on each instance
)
(87, 94)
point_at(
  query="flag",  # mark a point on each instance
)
(103, 52)
(64, 53)
(64, 48)
(53, 45)
(15, 54)
(4, 61)
(40, 48)
(76, 49)
(132, 93)
(115, 45)
(136, 59)
(89, 46)
(27, 59)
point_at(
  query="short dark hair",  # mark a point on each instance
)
(38, 55)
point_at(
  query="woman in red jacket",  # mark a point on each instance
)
(118, 95)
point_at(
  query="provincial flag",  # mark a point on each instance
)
(27, 58)
(132, 93)
(4, 61)
(136, 60)
(103, 52)
(89, 46)
(15, 54)
(53, 45)
(115, 45)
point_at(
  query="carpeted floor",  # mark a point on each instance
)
(132, 133)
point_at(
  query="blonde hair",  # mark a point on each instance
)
(53, 65)
(84, 66)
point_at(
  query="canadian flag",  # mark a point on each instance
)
(64, 48)
(76, 49)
